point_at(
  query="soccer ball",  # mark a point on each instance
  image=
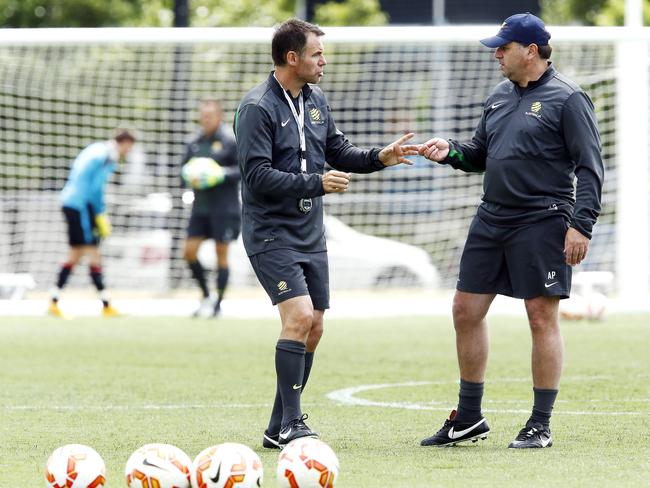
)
(202, 173)
(158, 465)
(593, 306)
(307, 463)
(227, 465)
(75, 466)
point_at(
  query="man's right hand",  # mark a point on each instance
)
(335, 181)
(435, 149)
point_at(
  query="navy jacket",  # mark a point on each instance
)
(268, 151)
(531, 143)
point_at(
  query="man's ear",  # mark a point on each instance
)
(292, 58)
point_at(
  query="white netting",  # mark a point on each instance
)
(57, 98)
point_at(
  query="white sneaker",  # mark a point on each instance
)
(205, 308)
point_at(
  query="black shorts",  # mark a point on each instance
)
(221, 228)
(522, 262)
(285, 274)
(82, 229)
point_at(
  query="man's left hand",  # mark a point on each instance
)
(575, 247)
(396, 153)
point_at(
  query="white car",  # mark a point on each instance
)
(356, 260)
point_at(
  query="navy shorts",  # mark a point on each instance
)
(285, 274)
(82, 229)
(526, 261)
(221, 228)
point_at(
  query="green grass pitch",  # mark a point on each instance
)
(118, 384)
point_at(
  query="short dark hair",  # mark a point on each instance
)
(291, 35)
(121, 134)
(545, 51)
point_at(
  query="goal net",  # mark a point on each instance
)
(63, 89)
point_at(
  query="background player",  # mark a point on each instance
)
(215, 211)
(85, 212)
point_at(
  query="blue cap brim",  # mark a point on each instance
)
(495, 41)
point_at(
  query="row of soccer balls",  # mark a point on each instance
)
(303, 463)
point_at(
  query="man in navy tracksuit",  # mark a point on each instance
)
(537, 133)
(285, 134)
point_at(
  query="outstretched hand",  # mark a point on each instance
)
(435, 149)
(395, 153)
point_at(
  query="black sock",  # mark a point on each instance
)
(469, 401)
(290, 367)
(64, 274)
(309, 360)
(199, 275)
(98, 279)
(222, 282)
(276, 414)
(543, 406)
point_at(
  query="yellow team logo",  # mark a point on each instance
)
(217, 146)
(282, 286)
(315, 115)
(536, 107)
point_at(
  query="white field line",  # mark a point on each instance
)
(347, 396)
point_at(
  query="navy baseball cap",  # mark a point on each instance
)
(522, 28)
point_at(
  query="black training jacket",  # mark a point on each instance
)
(222, 199)
(531, 143)
(268, 151)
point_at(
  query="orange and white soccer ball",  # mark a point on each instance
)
(307, 463)
(158, 466)
(227, 465)
(75, 466)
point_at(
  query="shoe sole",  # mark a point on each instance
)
(474, 439)
(270, 443)
(550, 444)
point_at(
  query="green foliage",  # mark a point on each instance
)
(588, 12)
(242, 13)
(68, 13)
(614, 13)
(152, 13)
(350, 12)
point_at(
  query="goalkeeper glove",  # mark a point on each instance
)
(104, 227)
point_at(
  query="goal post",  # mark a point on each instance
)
(66, 88)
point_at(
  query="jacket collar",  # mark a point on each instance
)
(546, 76)
(278, 90)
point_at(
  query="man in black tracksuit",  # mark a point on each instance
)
(537, 132)
(216, 210)
(285, 135)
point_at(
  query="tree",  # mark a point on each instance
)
(159, 13)
(68, 13)
(350, 12)
(588, 12)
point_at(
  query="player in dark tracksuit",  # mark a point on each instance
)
(216, 210)
(537, 133)
(283, 181)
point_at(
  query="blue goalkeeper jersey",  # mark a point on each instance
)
(88, 176)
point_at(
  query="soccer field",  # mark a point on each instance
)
(118, 384)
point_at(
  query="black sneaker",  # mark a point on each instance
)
(270, 441)
(295, 429)
(533, 436)
(453, 432)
